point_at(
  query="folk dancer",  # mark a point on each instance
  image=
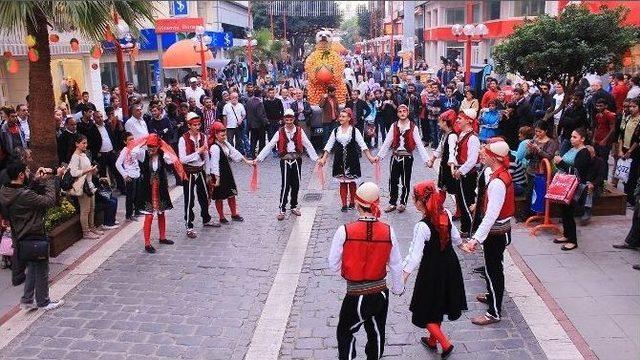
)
(362, 250)
(222, 180)
(289, 141)
(494, 231)
(194, 155)
(402, 140)
(439, 287)
(346, 142)
(466, 172)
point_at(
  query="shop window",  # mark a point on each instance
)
(528, 7)
(494, 9)
(454, 16)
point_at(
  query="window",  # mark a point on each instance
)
(528, 7)
(454, 16)
(476, 13)
(493, 8)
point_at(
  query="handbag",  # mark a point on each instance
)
(562, 188)
(87, 188)
(67, 181)
(622, 170)
(33, 248)
(6, 246)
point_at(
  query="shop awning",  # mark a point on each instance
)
(184, 54)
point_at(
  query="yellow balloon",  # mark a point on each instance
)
(30, 40)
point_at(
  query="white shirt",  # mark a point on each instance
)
(193, 159)
(349, 75)
(291, 146)
(214, 160)
(195, 94)
(24, 126)
(118, 113)
(234, 114)
(395, 258)
(128, 165)
(496, 192)
(473, 151)
(422, 234)
(137, 127)
(364, 88)
(558, 98)
(452, 140)
(416, 138)
(344, 138)
(106, 140)
(634, 92)
(286, 102)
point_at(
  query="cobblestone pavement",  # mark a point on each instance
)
(311, 330)
(197, 299)
(201, 298)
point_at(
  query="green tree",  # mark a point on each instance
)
(349, 31)
(89, 18)
(364, 21)
(566, 47)
(265, 48)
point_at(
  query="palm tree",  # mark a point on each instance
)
(89, 18)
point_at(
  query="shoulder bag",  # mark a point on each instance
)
(32, 247)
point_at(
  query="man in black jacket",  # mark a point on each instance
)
(25, 209)
(301, 108)
(66, 140)
(88, 128)
(175, 93)
(573, 117)
(359, 108)
(257, 121)
(275, 111)
(522, 114)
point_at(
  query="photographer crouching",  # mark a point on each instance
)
(25, 206)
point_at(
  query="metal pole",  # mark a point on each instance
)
(203, 66)
(160, 81)
(122, 80)
(249, 49)
(392, 50)
(467, 44)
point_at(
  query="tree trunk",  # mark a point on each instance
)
(41, 97)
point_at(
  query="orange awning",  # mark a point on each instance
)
(184, 54)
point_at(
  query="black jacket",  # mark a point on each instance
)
(256, 115)
(360, 110)
(90, 130)
(274, 110)
(307, 113)
(572, 118)
(26, 207)
(522, 114)
(66, 146)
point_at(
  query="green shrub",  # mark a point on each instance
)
(58, 214)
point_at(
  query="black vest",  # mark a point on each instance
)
(346, 160)
(143, 196)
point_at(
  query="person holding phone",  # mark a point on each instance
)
(83, 189)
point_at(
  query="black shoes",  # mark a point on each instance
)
(344, 209)
(352, 206)
(150, 249)
(237, 218)
(445, 353)
(224, 221)
(166, 242)
(425, 342)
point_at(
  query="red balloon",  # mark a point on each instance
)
(33, 55)
(324, 75)
(13, 66)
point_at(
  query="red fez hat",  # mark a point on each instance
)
(153, 140)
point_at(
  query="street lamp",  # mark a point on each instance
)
(249, 55)
(472, 33)
(122, 29)
(201, 43)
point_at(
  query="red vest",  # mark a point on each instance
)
(463, 148)
(190, 146)
(409, 143)
(366, 251)
(509, 205)
(283, 140)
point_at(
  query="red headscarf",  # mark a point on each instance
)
(349, 112)
(449, 117)
(154, 140)
(213, 130)
(433, 199)
(374, 206)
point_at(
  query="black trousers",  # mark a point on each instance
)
(37, 283)
(567, 213)
(633, 238)
(131, 188)
(494, 246)
(107, 161)
(401, 167)
(290, 184)
(257, 138)
(234, 137)
(369, 310)
(195, 185)
(466, 195)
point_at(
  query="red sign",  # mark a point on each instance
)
(177, 25)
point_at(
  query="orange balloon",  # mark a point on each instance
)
(54, 38)
(13, 66)
(33, 55)
(324, 75)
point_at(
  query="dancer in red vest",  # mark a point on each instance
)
(222, 180)
(362, 250)
(403, 139)
(290, 141)
(194, 154)
(439, 287)
(153, 196)
(347, 143)
(494, 232)
(466, 172)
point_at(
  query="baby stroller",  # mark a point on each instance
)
(6, 247)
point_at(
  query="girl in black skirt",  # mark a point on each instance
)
(222, 183)
(439, 288)
(346, 143)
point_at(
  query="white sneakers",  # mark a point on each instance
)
(32, 306)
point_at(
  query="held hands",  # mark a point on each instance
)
(456, 174)
(430, 163)
(202, 149)
(322, 161)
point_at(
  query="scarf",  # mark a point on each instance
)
(433, 200)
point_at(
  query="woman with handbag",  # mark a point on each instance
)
(83, 189)
(576, 161)
(346, 142)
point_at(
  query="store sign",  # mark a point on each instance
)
(178, 25)
(180, 8)
(221, 39)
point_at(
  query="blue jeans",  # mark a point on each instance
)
(110, 208)
(246, 145)
(326, 131)
(434, 132)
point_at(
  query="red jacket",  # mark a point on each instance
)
(366, 251)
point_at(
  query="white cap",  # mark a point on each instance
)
(193, 79)
(470, 113)
(369, 192)
(289, 112)
(192, 115)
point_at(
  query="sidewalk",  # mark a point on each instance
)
(594, 285)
